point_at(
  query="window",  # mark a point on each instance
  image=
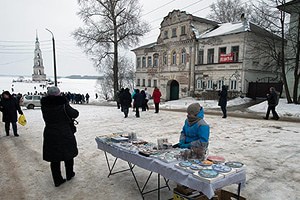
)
(155, 60)
(183, 56)
(200, 56)
(28, 97)
(235, 52)
(149, 61)
(210, 56)
(220, 84)
(138, 82)
(138, 62)
(232, 84)
(222, 50)
(144, 62)
(200, 84)
(166, 35)
(209, 85)
(165, 58)
(183, 30)
(174, 32)
(144, 83)
(36, 97)
(154, 83)
(149, 83)
(174, 57)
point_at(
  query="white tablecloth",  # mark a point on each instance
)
(169, 171)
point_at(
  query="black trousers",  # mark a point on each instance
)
(14, 126)
(126, 111)
(137, 112)
(146, 104)
(272, 108)
(223, 108)
(56, 172)
(156, 107)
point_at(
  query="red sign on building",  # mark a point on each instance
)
(226, 58)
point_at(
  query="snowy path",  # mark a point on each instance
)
(270, 149)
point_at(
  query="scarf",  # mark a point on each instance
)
(192, 119)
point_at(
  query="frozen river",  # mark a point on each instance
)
(82, 86)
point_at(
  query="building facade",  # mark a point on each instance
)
(293, 8)
(193, 56)
(38, 67)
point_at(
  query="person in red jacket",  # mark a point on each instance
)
(156, 98)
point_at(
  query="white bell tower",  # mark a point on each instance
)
(38, 67)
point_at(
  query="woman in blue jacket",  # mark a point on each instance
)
(195, 131)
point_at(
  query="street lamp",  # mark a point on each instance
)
(54, 60)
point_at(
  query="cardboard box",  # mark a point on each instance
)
(194, 196)
(220, 195)
(226, 195)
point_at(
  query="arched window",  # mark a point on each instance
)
(165, 58)
(183, 56)
(155, 60)
(174, 58)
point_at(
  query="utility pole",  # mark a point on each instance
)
(54, 60)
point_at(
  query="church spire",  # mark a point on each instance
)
(38, 67)
(36, 36)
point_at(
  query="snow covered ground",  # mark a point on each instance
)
(270, 149)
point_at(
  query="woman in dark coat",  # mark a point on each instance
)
(223, 100)
(9, 107)
(125, 100)
(138, 100)
(59, 140)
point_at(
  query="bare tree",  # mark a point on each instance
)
(270, 18)
(294, 56)
(228, 10)
(109, 25)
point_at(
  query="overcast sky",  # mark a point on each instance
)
(20, 20)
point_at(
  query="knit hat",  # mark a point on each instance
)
(53, 91)
(193, 109)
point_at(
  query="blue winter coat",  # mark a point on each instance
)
(194, 134)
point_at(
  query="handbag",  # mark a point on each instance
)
(72, 122)
(22, 120)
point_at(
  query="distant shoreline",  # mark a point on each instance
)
(70, 77)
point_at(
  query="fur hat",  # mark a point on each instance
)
(53, 91)
(193, 109)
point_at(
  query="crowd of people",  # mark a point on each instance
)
(59, 141)
(138, 99)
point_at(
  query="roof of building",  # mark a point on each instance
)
(153, 44)
(226, 29)
(234, 28)
(290, 7)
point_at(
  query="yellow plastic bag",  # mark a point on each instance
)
(22, 120)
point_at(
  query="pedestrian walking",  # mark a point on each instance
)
(156, 98)
(9, 106)
(273, 100)
(87, 97)
(59, 140)
(138, 101)
(143, 95)
(223, 100)
(125, 101)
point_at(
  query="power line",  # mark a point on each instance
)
(158, 8)
(17, 61)
(191, 4)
